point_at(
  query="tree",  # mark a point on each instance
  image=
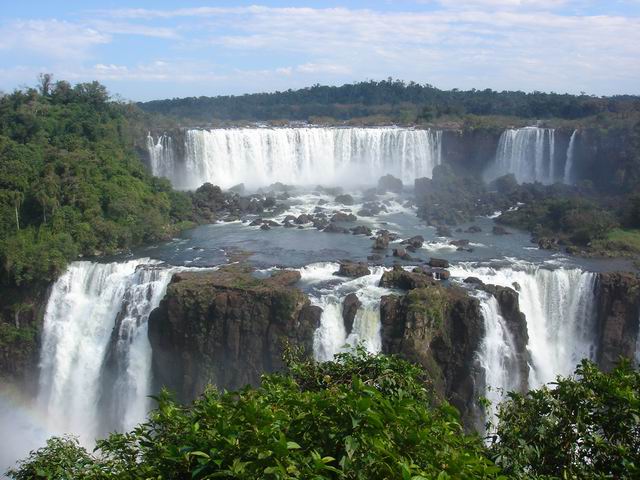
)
(44, 83)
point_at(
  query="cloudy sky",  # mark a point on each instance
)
(144, 50)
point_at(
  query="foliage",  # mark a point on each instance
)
(71, 182)
(585, 427)
(359, 417)
(393, 99)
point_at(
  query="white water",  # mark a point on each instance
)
(95, 360)
(559, 309)
(568, 166)
(331, 337)
(302, 156)
(528, 153)
(497, 354)
(162, 156)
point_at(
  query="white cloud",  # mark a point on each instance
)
(51, 38)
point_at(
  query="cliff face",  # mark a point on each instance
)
(439, 328)
(226, 328)
(21, 317)
(618, 317)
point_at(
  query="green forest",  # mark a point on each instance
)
(71, 182)
(390, 100)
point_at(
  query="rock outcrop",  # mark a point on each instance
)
(227, 328)
(439, 328)
(618, 317)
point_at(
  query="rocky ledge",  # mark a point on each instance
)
(227, 328)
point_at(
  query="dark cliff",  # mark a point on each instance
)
(227, 328)
(618, 317)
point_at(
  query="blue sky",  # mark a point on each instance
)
(144, 50)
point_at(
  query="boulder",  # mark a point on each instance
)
(361, 230)
(353, 269)
(334, 228)
(459, 243)
(389, 183)
(500, 230)
(381, 242)
(473, 229)
(400, 278)
(415, 242)
(350, 306)
(343, 217)
(443, 231)
(302, 219)
(265, 226)
(438, 262)
(256, 222)
(344, 199)
(400, 252)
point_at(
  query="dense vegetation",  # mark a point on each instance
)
(70, 181)
(366, 417)
(390, 99)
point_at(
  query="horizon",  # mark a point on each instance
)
(165, 49)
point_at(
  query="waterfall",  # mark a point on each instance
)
(559, 309)
(497, 355)
(528, 153)
(95, 360)
(568, 166)
(301, 156)
(331, 336)
(162, 156)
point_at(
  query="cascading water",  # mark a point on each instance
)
(331, 336)
(528, 153)
(568, 166)
(497, 355)
(302, 156)
(95, 359)
(559, 309)
(162, 156)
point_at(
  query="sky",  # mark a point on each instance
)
(145, 50)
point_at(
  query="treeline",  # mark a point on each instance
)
(71, 183)
(395, 99)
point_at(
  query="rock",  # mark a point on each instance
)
(344, 199)
(353, 269)
(361, 230)
(322, 201)
(459, 243)
(516, 286)
(350, 306)
(440, 329)
(271, 223)
(443, 231)
(389, 183)
(473, 281)
(302, 219)
(374, 257)
(343, 217)
(284, 278)
(437, 273)
(617, 325)
(269, 202)
(438, 263)
(401, 253)
(256, 222)
(320, 223)
(333, 228)
(226, 327)
(400, 278)
(381, 242)
(499, 230)
(239, 189)
(547, 243)
(415, 242)
(289, 218)
(473, 229)
(288, 225)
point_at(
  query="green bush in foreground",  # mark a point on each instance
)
(366, 417)
(585, 427)
(361, 417)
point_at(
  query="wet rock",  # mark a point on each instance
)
(272, 223)
(381, 242)
(374, 257)
(389, 183)
(400, 252)
(289, 218)
(350, 306)
(473, 281)
(302, 219)
(547, 243)
(415, 242)
(473, 229)
(438, 262)
(400, 278)
(459, 243)
(320, 223)
(343, 217)
(256, 222)
(353, 269)
(516, 286)
(333, 228)
(288, 225)
(344, 199)
(239, 189)
(322, 201)
(284, 278)
(500, 230)
(361, 230)
(265, 226)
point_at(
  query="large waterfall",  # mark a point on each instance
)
(530, 154)
(95, 359)
(559, 309)
(301, 156)
(162, 156)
